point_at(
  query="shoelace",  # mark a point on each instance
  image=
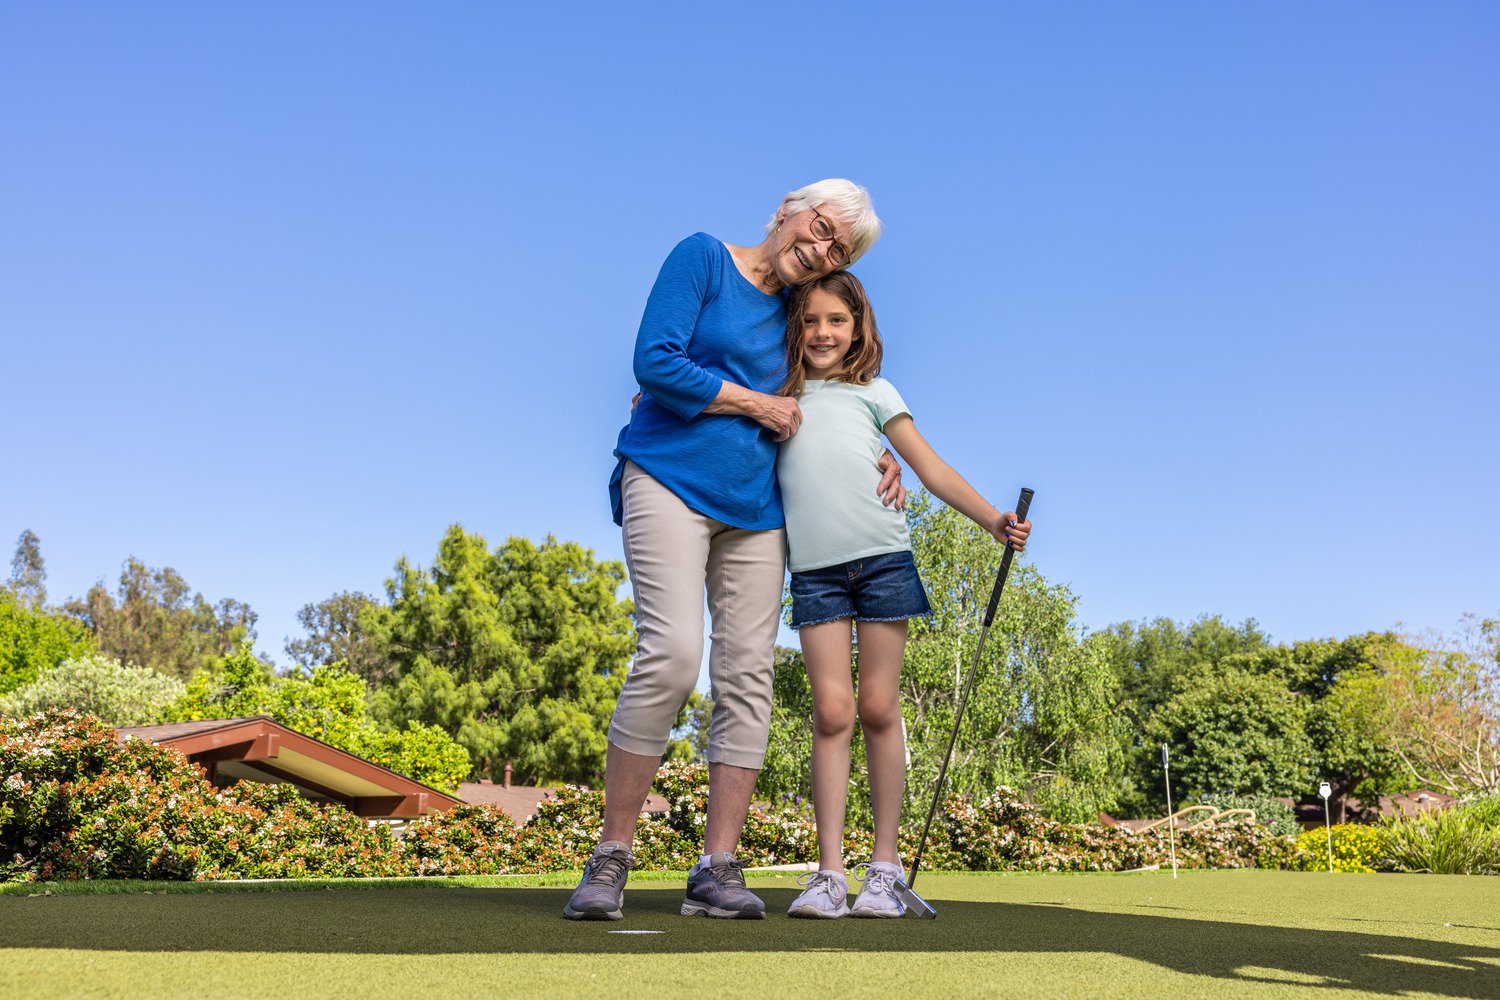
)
(882, 880)
(606, 869)
(826, 881)
(730, 873)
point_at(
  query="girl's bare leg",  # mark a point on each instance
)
(826, 649)
(881, 647)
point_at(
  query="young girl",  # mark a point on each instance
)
(851, 561)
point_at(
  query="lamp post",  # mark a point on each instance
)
(1325, 790)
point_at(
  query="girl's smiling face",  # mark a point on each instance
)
(827, 334)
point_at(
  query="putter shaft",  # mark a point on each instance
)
(906, 886)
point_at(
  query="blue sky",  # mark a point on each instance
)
(286, 289)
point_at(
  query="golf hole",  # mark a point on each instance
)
(635, 932)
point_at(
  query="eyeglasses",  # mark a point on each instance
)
(822, 229)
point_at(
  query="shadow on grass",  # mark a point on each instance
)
(464, 920)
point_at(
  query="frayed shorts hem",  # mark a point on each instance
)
(860, 618)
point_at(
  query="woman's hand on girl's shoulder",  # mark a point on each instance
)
(1007, 531)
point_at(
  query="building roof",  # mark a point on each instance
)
(520, 802)
(258, 748)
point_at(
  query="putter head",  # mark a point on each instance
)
(915, 905)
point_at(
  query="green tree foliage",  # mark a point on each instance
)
(33, 639)
(155, 621)
(1236, 732)
(518, 653)
(28, 572)
(1155, 660)
(338, 632)
(1329, 694)
(328, 704)
(100, 686)
(1039, 717)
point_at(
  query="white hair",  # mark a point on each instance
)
(846, 199)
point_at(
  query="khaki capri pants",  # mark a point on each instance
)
(675, 555)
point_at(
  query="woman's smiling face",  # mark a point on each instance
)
(800, 255)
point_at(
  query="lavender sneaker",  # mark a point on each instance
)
(826, 896)
(877, 897)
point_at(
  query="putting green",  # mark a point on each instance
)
(1232, 933)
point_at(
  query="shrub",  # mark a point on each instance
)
(79, 803)
(1001, 832)
(1272, 813)
(1356, 848)
(1448, 842)
(1485, 810)
(100, 686)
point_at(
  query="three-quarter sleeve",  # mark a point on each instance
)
(662, 365)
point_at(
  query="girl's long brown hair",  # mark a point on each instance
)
(862, 363)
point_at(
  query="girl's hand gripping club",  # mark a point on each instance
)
(915, 904)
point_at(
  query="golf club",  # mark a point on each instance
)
(915, 904)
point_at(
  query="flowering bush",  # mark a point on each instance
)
(467, 840)
(1356, 848)
(78, 803)
(1001, 832)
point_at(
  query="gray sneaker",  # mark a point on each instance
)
(718, 890)
(601, 892)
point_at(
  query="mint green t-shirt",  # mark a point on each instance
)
(828, 472)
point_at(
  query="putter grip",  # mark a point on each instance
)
(1022, 506)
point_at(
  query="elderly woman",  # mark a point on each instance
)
(695, 493)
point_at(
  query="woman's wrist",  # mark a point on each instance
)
(737, 400)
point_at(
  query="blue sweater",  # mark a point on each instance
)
(705, 323)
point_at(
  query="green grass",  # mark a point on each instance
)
(1229, 934)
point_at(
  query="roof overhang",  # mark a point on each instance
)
(261, 749)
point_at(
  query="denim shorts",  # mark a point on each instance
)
(879, 588)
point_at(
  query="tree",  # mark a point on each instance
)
(338, 632)
(100, 686)
(1443, 721)
(33, 639)
(1236, 733)
(1329, 680)
(1348, 714)
(330, 705)
(155, 623)
(28, 573)
(1153, 660)
(519, 653)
